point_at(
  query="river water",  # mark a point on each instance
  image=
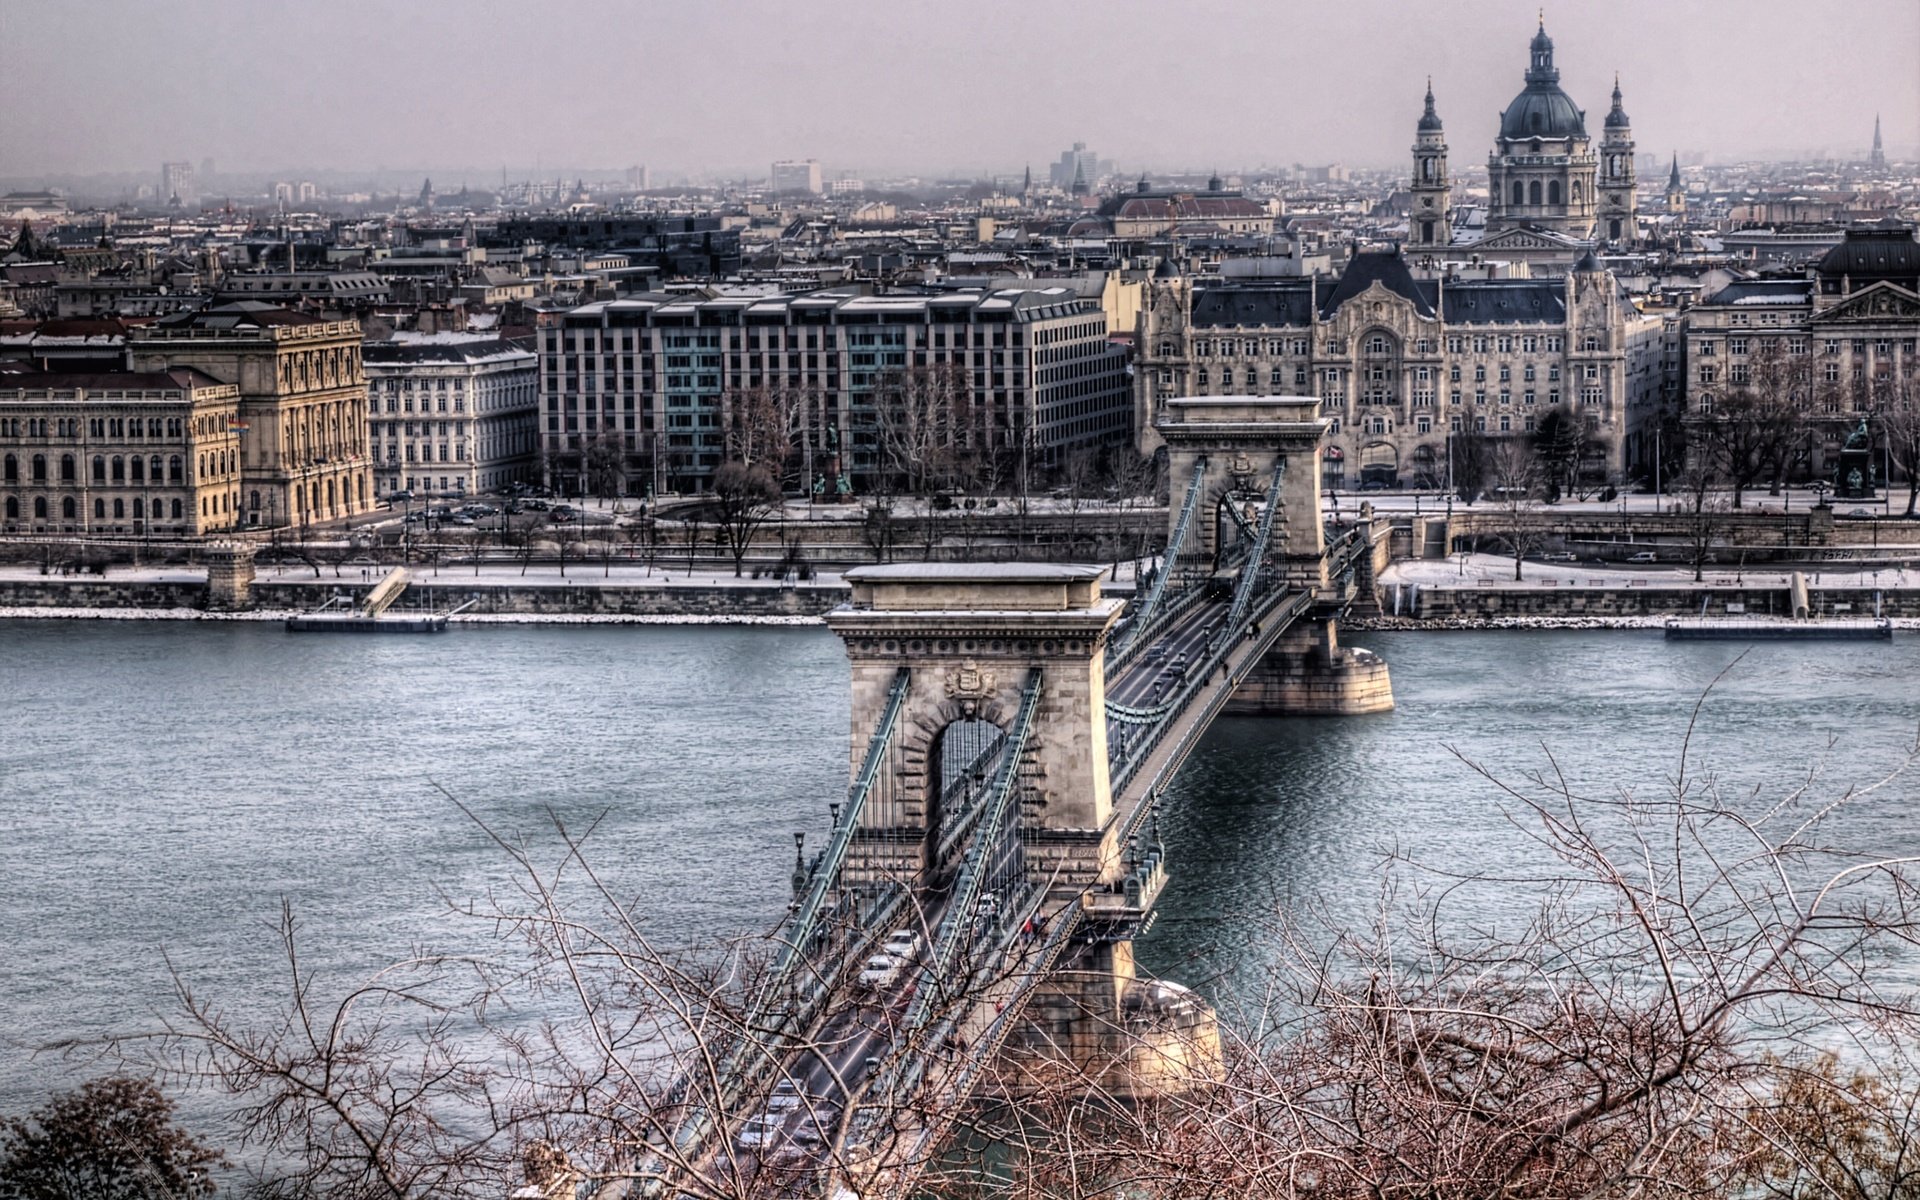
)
(163, 786)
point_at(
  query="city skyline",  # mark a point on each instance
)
(995, 97)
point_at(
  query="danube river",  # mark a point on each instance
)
(163, 786)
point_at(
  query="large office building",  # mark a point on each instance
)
(118, 452)
(1401, 364)
(795, 175)
(452, 414)
(302, 410)
(650, 379)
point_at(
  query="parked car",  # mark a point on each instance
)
(1644, 556)
(399, 497)
(1564, 557)
(881, 971)
(1859, 512)
(903, 944)
(534, 505)
(759, 1130)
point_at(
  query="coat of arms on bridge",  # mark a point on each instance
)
(1241, 468)
(968, 684)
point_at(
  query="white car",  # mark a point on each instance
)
(758, 1131)
(903, 944)
(881, 971)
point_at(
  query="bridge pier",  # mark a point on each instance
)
(1094, 1023)
(1308, 673)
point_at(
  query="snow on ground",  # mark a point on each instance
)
(1496, 571)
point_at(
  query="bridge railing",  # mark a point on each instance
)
(789, 999)
(1275, 606)
(1257, 553)
(1145, 615)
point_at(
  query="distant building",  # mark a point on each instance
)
(1151, 213)
(698, 247)
(118, 452)
(648, 383)
(177, 186)
(451, 413)
(1877, 158)
(795, 175)
(336, 290)
(1078, 162)
(302, 409)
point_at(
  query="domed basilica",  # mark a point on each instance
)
(1543, 175)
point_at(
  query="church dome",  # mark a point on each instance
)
(1542, 111)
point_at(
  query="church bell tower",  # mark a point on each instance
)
(1431, 222)
(1618, 217)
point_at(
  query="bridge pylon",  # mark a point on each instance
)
(1237, 443)
(970, 633)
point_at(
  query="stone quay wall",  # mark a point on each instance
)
(1442, 606)
(535, 601)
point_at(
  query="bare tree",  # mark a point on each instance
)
(761, 423)
(1705, 510)
(745, 496)
(1897, 400)
(1517, 486)
(1783, 379)
(603, 460)
(1654, 1031)
(920, 413)
(1471, 457)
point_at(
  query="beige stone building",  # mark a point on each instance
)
(118, 452)
(303, 404)
(1401, 365)
(1841, 339)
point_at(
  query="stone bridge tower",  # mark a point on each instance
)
(971, 633)
(1241, 440)
(1238, 442)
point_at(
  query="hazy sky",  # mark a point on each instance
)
(701, 85)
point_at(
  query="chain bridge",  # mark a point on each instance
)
(1013, 730)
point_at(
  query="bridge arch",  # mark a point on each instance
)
(1236, 443)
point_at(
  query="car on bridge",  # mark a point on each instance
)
(903, 944)
(881, 971)
(759, 1130)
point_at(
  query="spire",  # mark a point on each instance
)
(1026, 182)
(1673, 176)
(1429, 119)
(1878, 160)
(1617, 117)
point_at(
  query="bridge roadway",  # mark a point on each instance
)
(839, 1061)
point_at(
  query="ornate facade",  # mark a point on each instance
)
(118, 452)
(1402, 364)
(1841, 342)
(303, 404)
